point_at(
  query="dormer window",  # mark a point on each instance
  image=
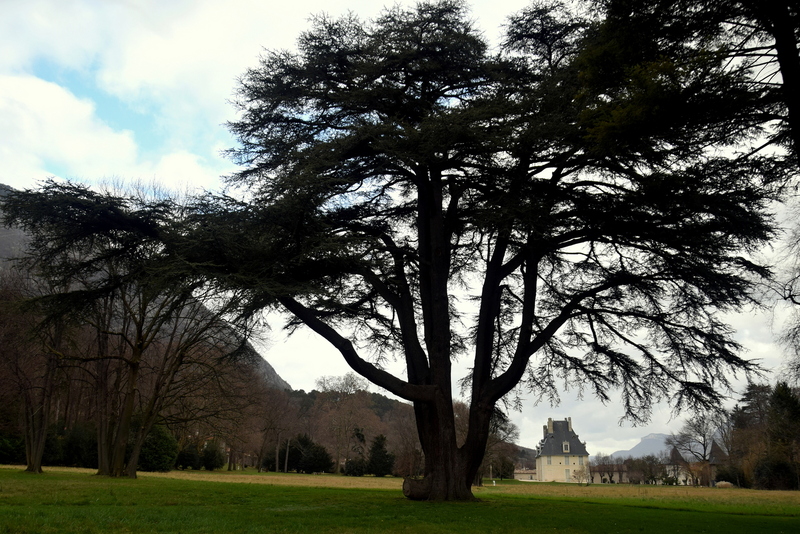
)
(565, 446)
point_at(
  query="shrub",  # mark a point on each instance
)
(54, 446)
(12, 449)
(305, 456)
(80, 446)
(732, 474)
(189, 458)
(315, 459)
(159, 450)
(294, 456)
(355, 467)
(380, 460)
(775, 474)
(212, 457)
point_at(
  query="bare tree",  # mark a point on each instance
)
(695, 438)
(403, 441)
(695, 441)
(148, 322)
(603, 465)
(583, 474)
(342, 406)
(620, 468)
(30, 362)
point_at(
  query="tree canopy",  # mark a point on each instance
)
(397, 173)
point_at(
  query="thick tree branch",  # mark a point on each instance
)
(369, 371)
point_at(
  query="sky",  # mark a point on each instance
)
(139, 90)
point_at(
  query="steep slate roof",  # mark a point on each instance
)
(717, 455)
(553, 442)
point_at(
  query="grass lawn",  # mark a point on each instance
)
(72, 500)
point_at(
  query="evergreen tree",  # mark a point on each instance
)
(212, 456)
(159, 451)
(189, 458)
(305, 456)
(381, 461)
(784, 433)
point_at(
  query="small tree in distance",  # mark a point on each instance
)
(189, 458)
(212, 456)
(159, 450)
(380, 461)
(583, 474)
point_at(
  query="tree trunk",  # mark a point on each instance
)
(277, 452)
(103, 407)
(36, 422)
(36, 406)
(449, 470)
(124, 423)
(777, 18)
(136, 451)
(444, 482)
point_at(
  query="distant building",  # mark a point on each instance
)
(561, 456)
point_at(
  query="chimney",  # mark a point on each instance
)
(549, 425)
(569, 423)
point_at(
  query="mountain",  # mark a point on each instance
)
(12, 240)
(268, 373)
(650, 444)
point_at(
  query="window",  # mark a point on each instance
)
(580, 460)
(565, 446)
(566, 460)
(549, 460)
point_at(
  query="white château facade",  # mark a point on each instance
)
(560, 454)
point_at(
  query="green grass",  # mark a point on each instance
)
(64, 501)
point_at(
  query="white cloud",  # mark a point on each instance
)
(177, 61)
(47, 130)
(67, 33)
(181, 58)
(185, 171)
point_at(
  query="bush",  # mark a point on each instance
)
(268, 464)
(305, 456)
(293, 460)
(775, 474)
(380, 460)
(80, 446)
(12, 449)
(189, 458)
(314, 459)
(54, 446)
(355, 467)
(212, 457)
(159, 450)
(734, 475)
